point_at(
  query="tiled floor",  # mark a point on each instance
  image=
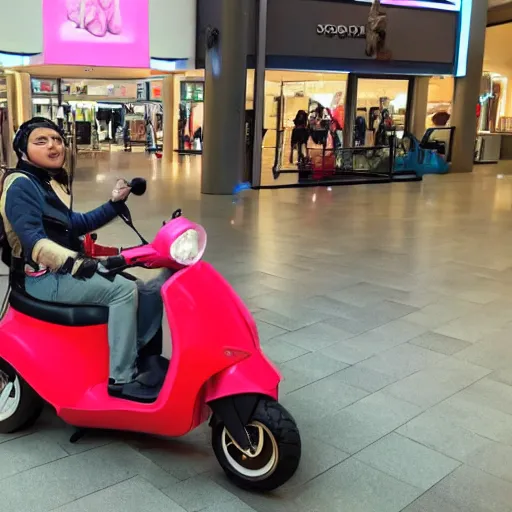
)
(389, 311)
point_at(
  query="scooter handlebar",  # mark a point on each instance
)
(114, 262)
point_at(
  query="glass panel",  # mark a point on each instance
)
(440, 101)
(292, 102)
(191, 116)
(381, 111)
(271, 124)
(440, 140)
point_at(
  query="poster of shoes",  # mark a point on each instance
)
(111, 33)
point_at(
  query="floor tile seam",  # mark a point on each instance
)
(71, 454)
(472, 384)
(161, 467)
(178, 482)
(443, 418)
(93, 492)
(284, 328)
(473, 343)
(353, 457)
(459, 464)
(374, 354)
(410, 342)
(430, 489)
(445, 454)
(322, 440)
(4, 479)
(440, 402)
(21, 436)
(226, 502)
(326, 377)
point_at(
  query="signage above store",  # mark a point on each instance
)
(442, 5)
(112, 33)
(342, 31)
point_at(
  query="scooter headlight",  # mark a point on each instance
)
(189, 247)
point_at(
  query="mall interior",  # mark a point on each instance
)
(351, 164)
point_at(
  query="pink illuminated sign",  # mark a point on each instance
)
(442, 5)
(112, 33)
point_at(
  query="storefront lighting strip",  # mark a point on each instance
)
(13, 60)
(464, 32)
(455, 5)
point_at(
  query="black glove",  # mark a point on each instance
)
(86, 269)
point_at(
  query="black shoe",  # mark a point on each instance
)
(145, 389)
(153, 364)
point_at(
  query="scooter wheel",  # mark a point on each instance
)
(20, 406)
(277, 449)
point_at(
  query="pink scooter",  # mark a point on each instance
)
(59, 354)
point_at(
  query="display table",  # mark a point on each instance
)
(506, 146)
(488, 148)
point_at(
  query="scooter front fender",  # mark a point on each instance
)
(255, 375)
(234, 393)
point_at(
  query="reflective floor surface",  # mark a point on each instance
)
(389, 311)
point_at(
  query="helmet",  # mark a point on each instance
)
(20, 142)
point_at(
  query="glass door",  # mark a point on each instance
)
(381, 111)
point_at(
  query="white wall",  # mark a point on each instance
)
(172, 27)
(21, 26)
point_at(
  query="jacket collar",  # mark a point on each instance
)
(43, 175)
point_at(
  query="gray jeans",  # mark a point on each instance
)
(135, 311)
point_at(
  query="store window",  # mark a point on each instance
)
(301, 109)
(381, 111)
(106, 115)
(493, 113)
(191, 116)
(45, 98)
(440, 101)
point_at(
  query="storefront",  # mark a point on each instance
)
(494, 140)
(97, 67)
(348, 67)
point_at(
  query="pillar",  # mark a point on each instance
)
(20, 97)
(350, 111)
(170, 103)
(19, 103)
(419, 106)
(467, 92)
(259, 93)
(225, 90)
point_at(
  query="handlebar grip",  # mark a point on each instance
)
(114, 262)
(138, 186)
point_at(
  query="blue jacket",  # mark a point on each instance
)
(35, 212)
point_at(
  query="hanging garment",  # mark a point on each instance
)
(360, 131)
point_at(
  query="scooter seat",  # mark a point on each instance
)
(60, 314)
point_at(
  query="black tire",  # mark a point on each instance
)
(286, 435)
(29, 407)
